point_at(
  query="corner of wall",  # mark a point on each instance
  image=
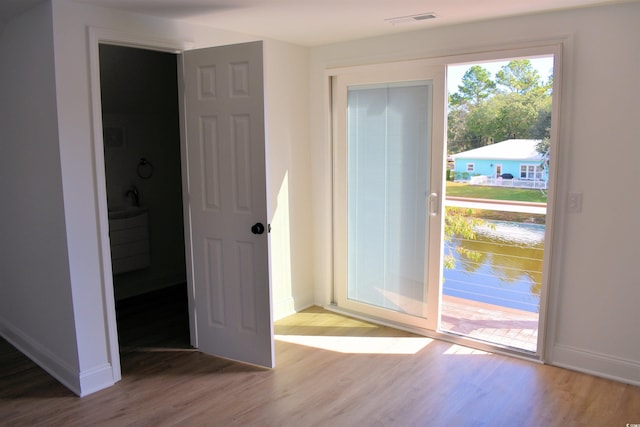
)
(81, 383)
(96, 379)
(42, 356)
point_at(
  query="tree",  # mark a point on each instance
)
(514, 116)
(476, 87)
(456, 131)
(519, 76)
(504, 116)
(516, 106)
(480, 124)
(542, 127)
(462, 223)
(544, 148)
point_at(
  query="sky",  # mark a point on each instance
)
(456, 72)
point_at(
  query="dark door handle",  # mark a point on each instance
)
(257, 228)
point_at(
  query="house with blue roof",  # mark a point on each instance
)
(515, 159)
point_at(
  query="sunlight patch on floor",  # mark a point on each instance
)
(360, 345)
(323, 319)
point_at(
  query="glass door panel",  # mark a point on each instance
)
(388, 181)
(388, 177)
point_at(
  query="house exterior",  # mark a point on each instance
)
(516, 157)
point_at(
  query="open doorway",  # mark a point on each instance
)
(221, 144)
(141, 134)
(498, 181)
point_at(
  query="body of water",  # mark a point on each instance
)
(502, 266)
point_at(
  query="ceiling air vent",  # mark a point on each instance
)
(411, 18)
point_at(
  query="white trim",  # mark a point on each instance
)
(104, 35)
(555, 47)
(598, 364)
(96, 379)
(287, 307)
(459, 56)
(546, 322)
(44, 358)
(523, 50)
(96, 37)
(283, 308)
(186, 212)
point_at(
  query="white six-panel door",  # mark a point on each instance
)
(226, 202)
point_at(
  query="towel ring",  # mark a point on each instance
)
(145, 169)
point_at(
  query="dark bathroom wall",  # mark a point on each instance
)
(140, 116)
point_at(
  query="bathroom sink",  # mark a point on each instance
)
(126, 212)
(129, 239)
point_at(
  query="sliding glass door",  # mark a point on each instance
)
(389, 132)
(498, 225)
(478, 272)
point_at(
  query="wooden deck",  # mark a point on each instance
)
(494, 324)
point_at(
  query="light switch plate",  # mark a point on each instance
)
(574, 202)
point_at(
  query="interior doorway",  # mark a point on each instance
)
(141, 139)
(247, 288)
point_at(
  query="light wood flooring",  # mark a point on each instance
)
(331, 371)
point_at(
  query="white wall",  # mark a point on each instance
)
(289, 180)
(595, 284)
(49, 181)
(35, 292)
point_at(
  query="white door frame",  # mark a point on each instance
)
(96, 37)
(549, 296)
(546, 318)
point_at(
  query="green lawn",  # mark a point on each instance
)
(496, 193)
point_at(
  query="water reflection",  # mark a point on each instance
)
(502, 266)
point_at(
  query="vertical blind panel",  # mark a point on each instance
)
(388, 180)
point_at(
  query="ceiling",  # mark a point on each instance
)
(9, 8)
(318, 22)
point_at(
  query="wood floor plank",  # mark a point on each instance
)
(166, 383)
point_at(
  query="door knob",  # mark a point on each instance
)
(257, 228)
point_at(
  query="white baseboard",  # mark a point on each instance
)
(283, 308)
(41, 356)
(96, 379)
(598, 364)
(80, 383)
(287, 307)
